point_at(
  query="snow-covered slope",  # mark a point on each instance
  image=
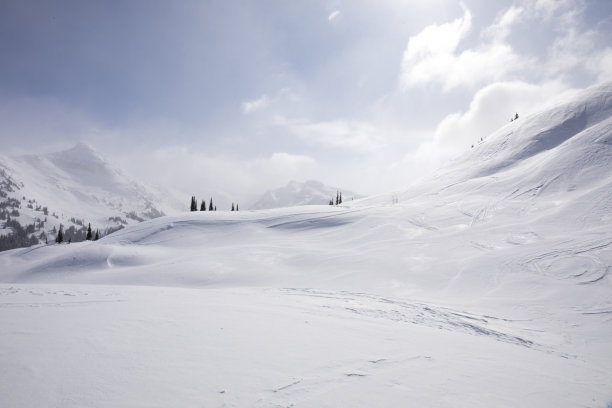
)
(74, 188)
(295, 193)
(486, 285)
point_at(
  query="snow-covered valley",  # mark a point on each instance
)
(487, 284)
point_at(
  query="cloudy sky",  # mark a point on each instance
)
(236, 97)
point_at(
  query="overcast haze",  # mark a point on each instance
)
(236, 97)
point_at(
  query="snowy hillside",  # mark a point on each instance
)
(487, 284)
(74, 188)
(311, 192)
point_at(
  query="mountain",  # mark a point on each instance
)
(295, 193)
(73, 188)
(486, 284)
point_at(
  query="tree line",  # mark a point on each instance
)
(211, 206)
(338, 199)
(62, 236)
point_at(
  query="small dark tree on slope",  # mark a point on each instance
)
(88, 237)
(236, 206)
(203, 206)
(194, 204)
(233, 207)
(211, 207)
(97, 237)
(60, 235)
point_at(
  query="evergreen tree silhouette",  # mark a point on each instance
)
(211, 207)
(203, 206)
(97, 237)
(236, 206)
(60, 235)
(233, 207)
(88, 238)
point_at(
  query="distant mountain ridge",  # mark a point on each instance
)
(73, 188)
(311, 192)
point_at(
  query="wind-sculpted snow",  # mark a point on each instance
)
(487, 284)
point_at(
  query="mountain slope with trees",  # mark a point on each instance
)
(73, 188)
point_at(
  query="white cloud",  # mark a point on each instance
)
(286, 161)
(431, 56)
(356, 136)
(548, 8)
(333, 15)
(501, 28)
(438, 39)
(256, 104)
(601, 64)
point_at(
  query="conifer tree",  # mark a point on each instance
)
(88, 237)
(215, 208)
(340, 201)
(60, 235)
(203, 206)
(233, 207)
(194, 204)
(236, 206)
(97, 237)
(211, 207)
(337, 198)
(331, 202)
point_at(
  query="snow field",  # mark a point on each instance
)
(486, 285)
(147, 346)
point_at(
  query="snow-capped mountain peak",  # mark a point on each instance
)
(82, 156)
(311, 192)
(73, 188)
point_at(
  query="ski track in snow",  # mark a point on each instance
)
(582, 261)
(367, 305)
